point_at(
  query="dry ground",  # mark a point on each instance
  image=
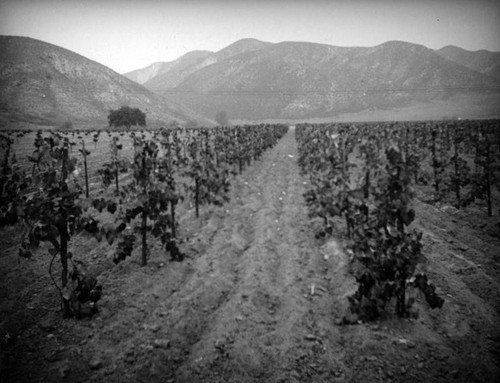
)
(240, 308)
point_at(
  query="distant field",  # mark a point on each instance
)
(478, 106)
(99, 152)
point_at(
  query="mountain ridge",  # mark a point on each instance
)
(250, 79)
(483, 61)
(300, 79)
(183, 68)
(142, 75)
(47, 84)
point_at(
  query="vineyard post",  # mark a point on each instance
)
(5, 166)
(216, 148)
(345, 183)
(169, 154)
(487, 170)
(184, 147)
(369, 158)
(435, 162)
(248, 151)
(240, 156)
(207, 142)
(63, 232)
(62, 226)
(478, 137)
(171, 175)
(144, 260)
(406, 144)
(457, 179)
(415, 173)
(176, 148)
(84, 152)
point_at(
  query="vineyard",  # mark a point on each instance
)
(323, 252)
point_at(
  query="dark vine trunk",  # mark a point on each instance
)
(144, 258)
(116, 177)
(176, 150)
(367, 184)
(64, 237)
(169, 156)
(64, 167)
(401, 292)
(401, 297)
(172, 216)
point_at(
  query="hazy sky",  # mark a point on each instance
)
(126, 35)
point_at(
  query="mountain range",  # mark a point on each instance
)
(482, 61)
(255, 80)
(251, 81)
(45, 84)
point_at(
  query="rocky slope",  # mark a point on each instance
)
(44, 83)
(482, 61)
(176, 71)
(257, 80)
(157, 69)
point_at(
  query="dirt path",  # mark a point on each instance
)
(240, 308)
(246, 313)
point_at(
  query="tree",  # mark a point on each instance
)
(221, 118)
(126, 116)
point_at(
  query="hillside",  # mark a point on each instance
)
(189, 64)
(159, 68)
(46, 84)
(482, 61)
(308, 80)
(169, 74)
(142, 75)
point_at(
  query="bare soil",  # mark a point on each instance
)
(258, 299)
